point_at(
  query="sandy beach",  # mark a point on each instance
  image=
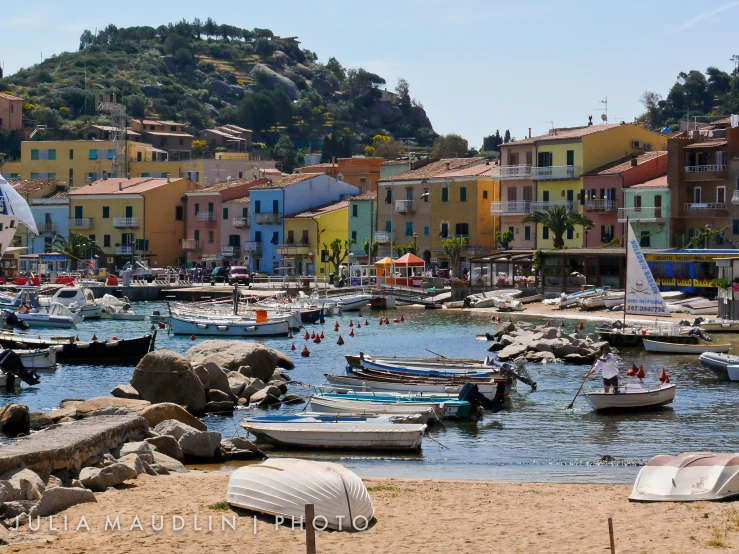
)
(411, 516)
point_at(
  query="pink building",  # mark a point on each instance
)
(603, 192)
(11, 112)
(206, 210)
(235, 229)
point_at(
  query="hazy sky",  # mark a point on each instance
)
(475, 65)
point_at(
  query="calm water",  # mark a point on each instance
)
(535, 439)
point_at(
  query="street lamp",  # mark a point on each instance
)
(415, 245)
(586, 229)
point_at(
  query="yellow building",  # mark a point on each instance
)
(141, 218)
(307, 232)
(460, 207)
(564, 155)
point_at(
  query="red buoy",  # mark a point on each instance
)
(317, 340)
(667, 380)
(382, 321)
(663, 376)
(360, 314)
(640, 374)
(351, 333)
(387, 321)
(313, 335)
(396, 320)
(192, 337)
(292, 346)
(402, 317)
(94, 336)
(581, 326)
(634, 368)
(492, 318)
(631, 372)
(351, 323)
(322, 335)
(305, 352)
(340, 341)
(306, 336)
(366, 322)
(549, 324)
(113, 338)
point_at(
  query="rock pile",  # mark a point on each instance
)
(540, 344)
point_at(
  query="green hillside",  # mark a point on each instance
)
(207, 74)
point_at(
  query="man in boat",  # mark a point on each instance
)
(607, 364)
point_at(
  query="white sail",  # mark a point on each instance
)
(16, 205)
(642, 293)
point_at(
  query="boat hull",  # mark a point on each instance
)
(123, 351)
(38, 359)
(672, 348)
(228, 327)
(718, 363)
(354, 303)
(616, 338)
(359, 384)
(47, 321)
(720, 326)
(310, 316)
(634, 400)
(370, 403)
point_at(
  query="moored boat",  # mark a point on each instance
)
(673, 348)
(631, 397)
(719, 326)
(719, 363)
(365, 383)
(233, 327)
(633, 336)
(358, 403)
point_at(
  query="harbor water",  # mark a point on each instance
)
(533, 439)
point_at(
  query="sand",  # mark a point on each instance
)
(411, 516)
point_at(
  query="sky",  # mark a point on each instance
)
(476, 66)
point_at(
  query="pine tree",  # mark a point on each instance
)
(507, 137)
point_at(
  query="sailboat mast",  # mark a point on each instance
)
(626, 269)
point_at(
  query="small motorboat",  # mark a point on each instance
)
(78, 300)
(323, 433)
(689, 477)
(367, 384)
(283, 486)
(720, 326)
(227, 326)
(673, 348)
(42, 358)
(55, 316)
(488, 299)
(117, 308)
(631, 397)
(507, 303)
(567, 300)
(720, 363)
(607, 299)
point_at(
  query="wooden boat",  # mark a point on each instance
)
(689, 477)
(227, 327)
(283, 486)
(354, 361)
(719, 363)
(69, 350)
(633, 336)
(308, 432)
(358, 403)
(720, 326)
(672, 348)
(365, 384)
(442, 367)
(631, 397)
(42, 358)
(407, 418)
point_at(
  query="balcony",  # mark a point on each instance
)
(705, 172)
(208, 217)
(645, 214)
(704, 206)
(240, 222)
(124, 249)
(82, 223)
(516, 207)
(735, 197)
(293, 249)
(126, 222)
(704, 168)
(405, 206)
(230, 251)
(46, 228)
(254, 247)
(602, 205)
(269, 218)
(543, 206)
(383, 237)
(555, 172)
(190, 244)
(512, 172)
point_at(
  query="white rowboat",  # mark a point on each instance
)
(631, 397)
(202, 326)
(360, 385)
(675, 348)
(324, 405)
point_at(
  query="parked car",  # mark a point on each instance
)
(238, 274)
(219, 275)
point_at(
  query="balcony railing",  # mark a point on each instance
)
(512, 207)
(46, 227)
(704, 168)
(645, 214)
(601, 205)
(382, 237)
(206, 216)
(132, 222)
(124, 249)
(269, 218)
(293, 248)
(190, 244)
(543, 206)
(735, 197)
(512, 172)
(230, 251)
(705, 206)
(240, 222)
(82, 223)
(253, 246)
(555, 172)
(405, 206)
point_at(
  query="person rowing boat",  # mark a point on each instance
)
(606, 363)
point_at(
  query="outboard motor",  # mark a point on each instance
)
(11, 363)
(471, 393)
(12, 321)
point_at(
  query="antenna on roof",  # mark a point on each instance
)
(604, 115)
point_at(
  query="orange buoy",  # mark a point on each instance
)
(549, 324)
(351, 333)
(94, 336)
(387, 321)
(305, 352)
(402, 317)
(366, 322)
(113, 338)
(581, 326)
(340, 341)
(396, 320)
(322, 335)
(630, 373)
(161, 324)
(381, 321)
(360, 314)
(359, 325)
(640, 374)
(317, 340)
(351, 323)
(192, 337)
(313, 335)
(292, 346)
(663, 376)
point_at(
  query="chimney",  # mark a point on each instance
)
(89, 181)
(168, 177)
(696, 134)
(120, 185)
(449, 165)
(529, 132)
(105, 175)
(633, 161)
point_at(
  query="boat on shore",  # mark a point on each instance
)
(631, 397)
(673, 348)
(323, 433)
(490, 298)
(719, 326)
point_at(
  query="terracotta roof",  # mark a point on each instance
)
(223, 134)
(622, 164)
(479, 170)
(128, 186)
(9, 96)
(327, 164)
(395, 162)
(659, 182)
(237, 128)
(320, 210)
(707, 144)
(60, 195)
(434, 169)
(366, 196)
(723, 121)
(271, 171)
(287, 180)
(218, 187)
(242, 200)
(168, 134)
(564, 134)
(31, 186)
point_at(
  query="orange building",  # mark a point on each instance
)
(360, 172)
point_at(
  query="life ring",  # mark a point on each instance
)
(23, 309)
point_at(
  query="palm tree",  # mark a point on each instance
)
(78, 247)
(559, 220)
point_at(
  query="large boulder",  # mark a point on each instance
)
(60, 498)
(215, 395)
(135, 462)
(99, 479)
(224, 90)
(166, 445)
(39, 421)
(266, 397)
(270, 78)
(219, 407)
(165, 376)
(17, 507)
(156, 413)
(25, 484)
(200, 444)
(174, 428)
(236, 386)
(511, 352)
(231, 355)
(280, 384)
(540, 357)
(321, 85)
(125, 391)
(62, 413)
(202, 374)
(240, 449)
(141, 449)
(218, 378)
(15, 419)
(252, 387)
(109, 405)
(170, 464)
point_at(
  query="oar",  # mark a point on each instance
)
(578, 390)
(435, 353)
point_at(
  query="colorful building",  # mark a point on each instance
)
(31, 190)
(132, 218)
(604, 189)
(647, 207)
(517, 193)
(307, 236)
(291, 194)
(11, 112)
(76, 162)
(235, 230)
(362, 210)
(360, 172)
(165, 135)
(51, 215)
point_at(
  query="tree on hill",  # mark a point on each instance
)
(383, 146)
(336, 68)
(335, 146)
(507, 137)
(286, 157)
(450, 146)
